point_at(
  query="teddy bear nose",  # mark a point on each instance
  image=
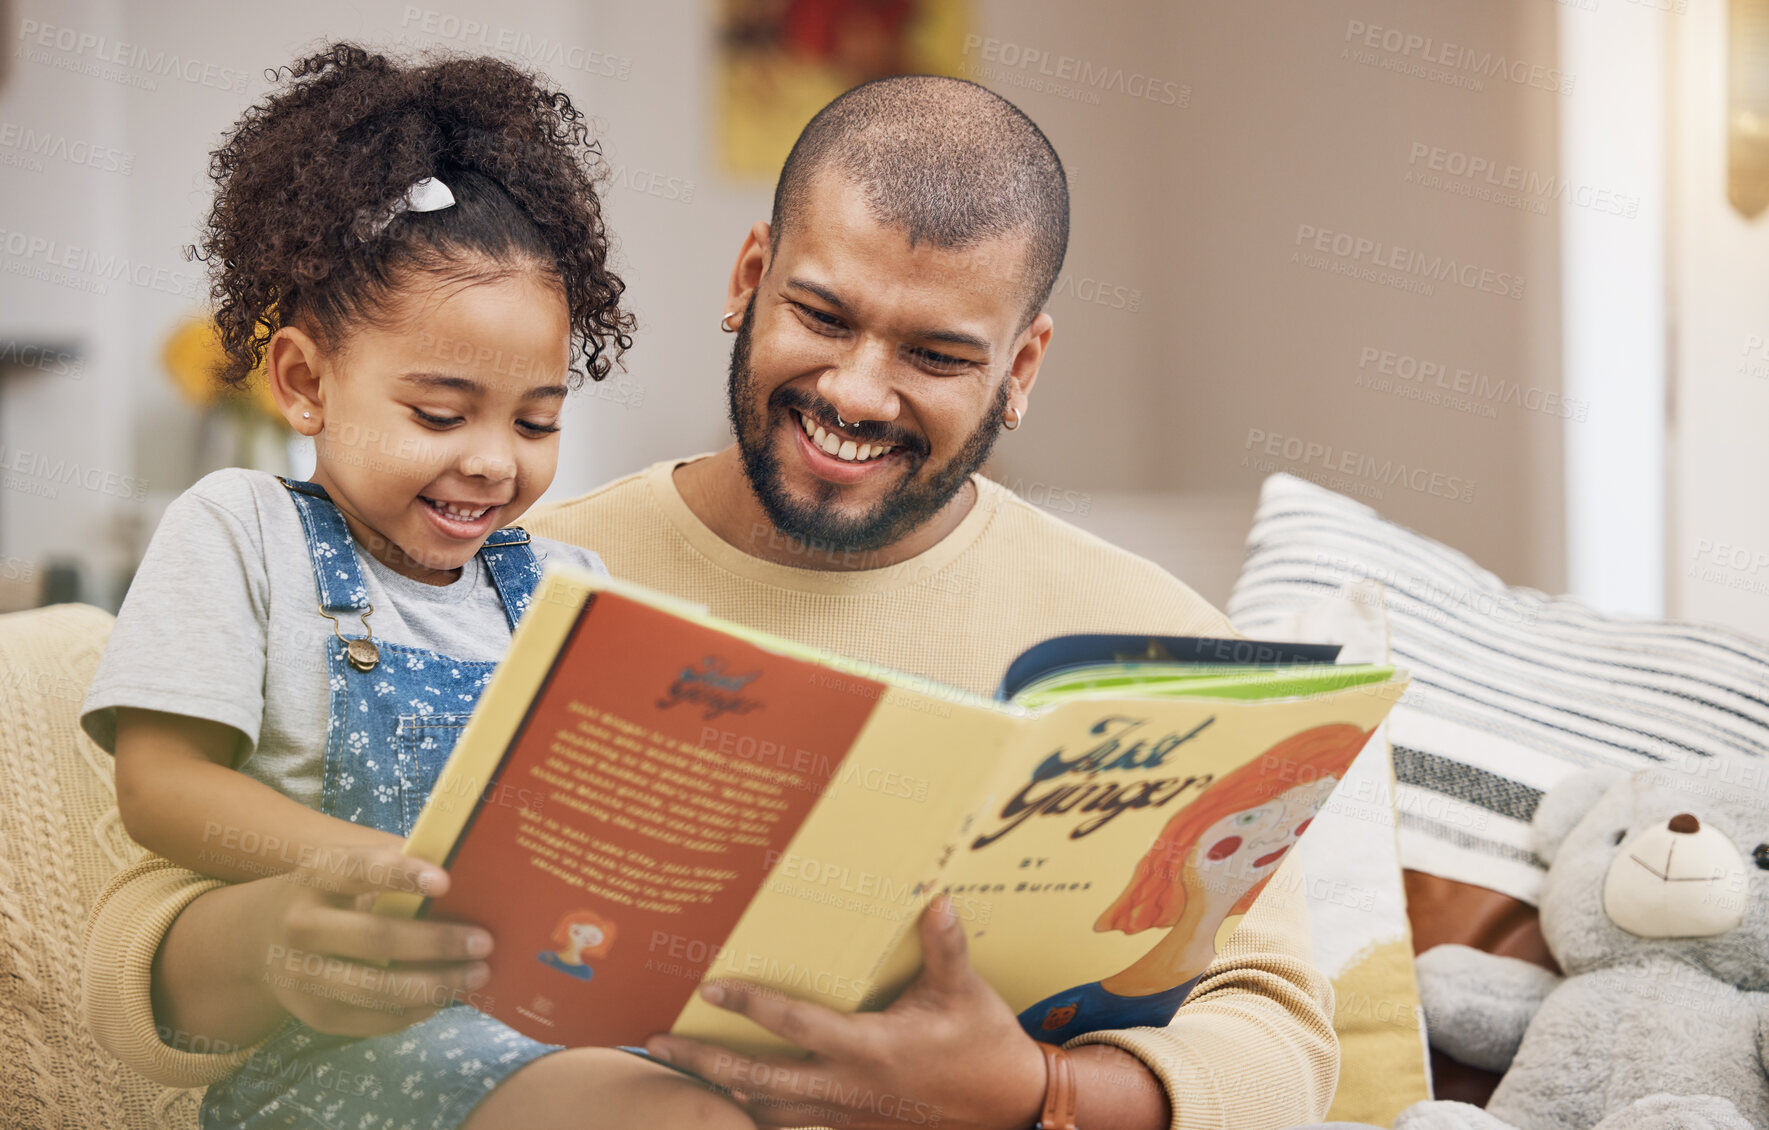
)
(1685, 823)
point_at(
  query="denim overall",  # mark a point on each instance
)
(391, 727)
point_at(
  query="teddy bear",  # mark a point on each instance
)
(1656, 906)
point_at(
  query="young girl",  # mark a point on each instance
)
(416, 256)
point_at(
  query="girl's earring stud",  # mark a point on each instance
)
(307, 415)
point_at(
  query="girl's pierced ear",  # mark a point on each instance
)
(307, 415)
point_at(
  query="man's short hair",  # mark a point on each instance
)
(951, 162)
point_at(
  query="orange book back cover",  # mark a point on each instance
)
(656, 778)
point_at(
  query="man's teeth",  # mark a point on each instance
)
(844, 449)
(456, 512)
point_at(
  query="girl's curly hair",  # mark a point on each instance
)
(308, 178)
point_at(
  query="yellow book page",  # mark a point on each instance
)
(862, 867)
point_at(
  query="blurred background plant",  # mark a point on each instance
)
(240, 428)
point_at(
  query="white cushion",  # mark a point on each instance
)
(1512, 689)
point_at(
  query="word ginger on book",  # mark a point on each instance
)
(648, 797)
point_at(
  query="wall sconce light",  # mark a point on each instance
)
(1747, 106)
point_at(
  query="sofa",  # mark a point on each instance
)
(61, 841)
(61, 838)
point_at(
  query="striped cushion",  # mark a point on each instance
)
(1512, 689)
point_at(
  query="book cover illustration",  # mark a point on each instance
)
(1209, 862)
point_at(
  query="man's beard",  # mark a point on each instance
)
(919, 498)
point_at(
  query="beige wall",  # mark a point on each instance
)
(1201, 207)
(1183, 324)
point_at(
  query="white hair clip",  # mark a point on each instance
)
(427, 195)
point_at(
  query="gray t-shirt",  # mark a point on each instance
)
(222, 622)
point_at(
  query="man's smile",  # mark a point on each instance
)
(836, 458)
(840, 445)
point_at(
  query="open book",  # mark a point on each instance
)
(648, 797)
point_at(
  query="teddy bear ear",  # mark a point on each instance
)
(1565, 804)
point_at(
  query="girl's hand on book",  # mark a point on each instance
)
(948, 1052)
(325, 954)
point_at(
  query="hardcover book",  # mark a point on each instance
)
(648, 797)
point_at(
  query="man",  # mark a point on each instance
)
(890, 326)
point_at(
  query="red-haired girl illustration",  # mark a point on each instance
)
(580, 934)
(1209, 862)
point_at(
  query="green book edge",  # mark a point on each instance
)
(1119, 680)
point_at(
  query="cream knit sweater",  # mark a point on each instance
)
(1252, 1048)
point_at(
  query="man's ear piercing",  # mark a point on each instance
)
(1017, 417)
(725, 324)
